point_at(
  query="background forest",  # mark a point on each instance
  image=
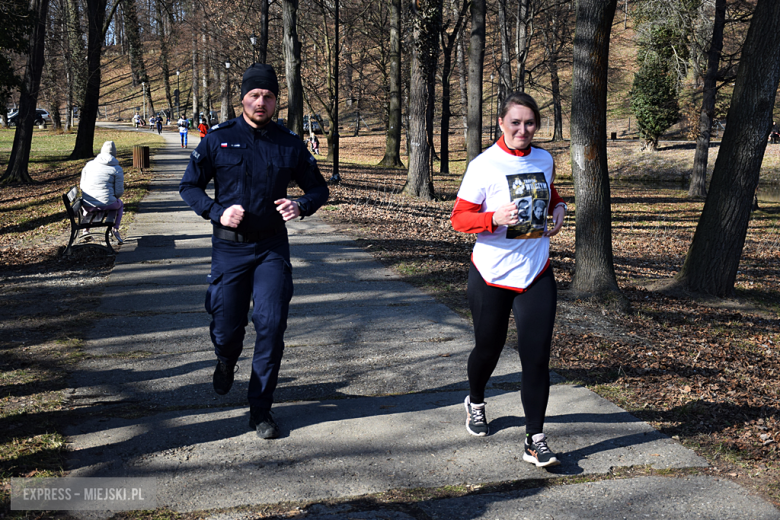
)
(158, 47)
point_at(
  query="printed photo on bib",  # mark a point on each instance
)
(531, 195)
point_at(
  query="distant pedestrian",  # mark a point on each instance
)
(510, 268)
(203, 129)
(315, 145)
(159, 126)
(183, 129)
(152, 123)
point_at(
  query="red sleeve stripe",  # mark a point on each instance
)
(467, 218)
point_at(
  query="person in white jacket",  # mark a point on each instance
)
(183, 125)
(102, 183)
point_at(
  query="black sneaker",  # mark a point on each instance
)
(223, 377)
(261, 421)
(476, 422)
(536, 452)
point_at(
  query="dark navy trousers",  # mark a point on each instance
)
(259, 272)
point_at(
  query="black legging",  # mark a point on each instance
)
(534, 312)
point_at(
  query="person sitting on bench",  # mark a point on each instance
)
(102, 183)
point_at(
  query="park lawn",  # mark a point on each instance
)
(34, 214)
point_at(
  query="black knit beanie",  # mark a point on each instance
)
(260, 75)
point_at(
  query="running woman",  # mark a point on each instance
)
(510, 267)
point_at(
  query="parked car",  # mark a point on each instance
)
(212, 120)
(41, 116)
(316, 127)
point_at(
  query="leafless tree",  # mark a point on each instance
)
(698, 186)
(427, 22)
(450, 34)
(713, 259)
(292, 67)
(392, 156)
(18, 163)
(594, 273)
(476, 69)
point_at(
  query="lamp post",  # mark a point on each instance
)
(178, 95)
(253, 39)
(227, 73)
(226, 111)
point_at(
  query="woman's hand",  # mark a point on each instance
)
(506, 215)
(558, 213)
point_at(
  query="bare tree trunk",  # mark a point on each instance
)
(19, 160)
(133, 31)
(292, 66)
(195, 81)
(713, 259)
(521, 42)
(3, 114)
(137, 66)
(206, 78)
(392, 156)
(430, 108)
(78, 55)
(162, 36)
(358, 92)
(419, 172)
(222, 79)
(504, 70)
(349, 70)
(262, 43)
(52, 92)
(555, 85)
(448, 43)
(594, 269)
(68, 100)
(76, 66)
(96, 14)
(698, 187)
(476, 67)
(427, 23)
(446, 115)
(50, 79)
(329, 103)
(460, 60)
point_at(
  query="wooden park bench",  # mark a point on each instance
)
(82, 216)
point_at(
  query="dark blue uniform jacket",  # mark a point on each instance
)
(252, 168)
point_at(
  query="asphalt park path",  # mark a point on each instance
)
(370, 397)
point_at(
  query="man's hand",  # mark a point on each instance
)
(288, 209)
(232, 216)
